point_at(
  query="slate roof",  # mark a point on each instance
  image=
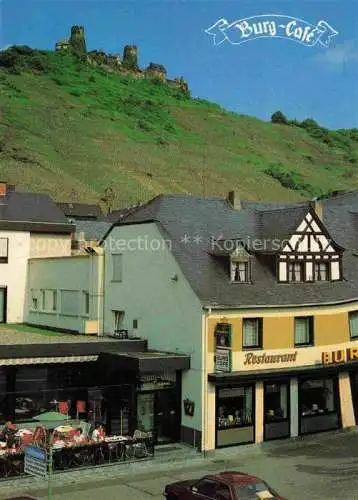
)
(81, 210)
(32, 212)
(205, 219)
(93, 230)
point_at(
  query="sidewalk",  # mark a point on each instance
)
(182, 458)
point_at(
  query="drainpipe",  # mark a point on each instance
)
(206, 378)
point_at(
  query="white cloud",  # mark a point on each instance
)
(340, 54)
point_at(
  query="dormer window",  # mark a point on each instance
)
(321, 271)
(240, 271)
(295, 271)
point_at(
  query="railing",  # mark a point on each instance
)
(84, 455)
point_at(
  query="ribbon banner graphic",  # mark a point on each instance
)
(271, 26)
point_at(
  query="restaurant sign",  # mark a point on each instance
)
(252, 358)
(340, 356)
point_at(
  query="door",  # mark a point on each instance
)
(2, 305)
(167, 422)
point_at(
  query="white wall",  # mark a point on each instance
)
(168, 312)
(80, 273)
(50, 245)
(13, 274)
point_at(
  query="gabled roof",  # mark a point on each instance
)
(93, 230)
(81, 210)
(32, 212)
(193, 223)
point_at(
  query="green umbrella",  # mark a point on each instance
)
(51, 416)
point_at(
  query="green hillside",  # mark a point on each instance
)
(71, 129)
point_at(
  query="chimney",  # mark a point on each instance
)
(3, 188)
(234, 201)
(318, 208)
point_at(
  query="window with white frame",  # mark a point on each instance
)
(43, 300)
(240, 271)
(252, 333)
(34, 300)
(118, 317)
(304, 331)
(295, 271)
(54, 300)
(353, 324)
(4, 249)
(321, 271)
(117, 267)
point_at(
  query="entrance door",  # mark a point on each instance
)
(145, 412)
(2, 305)
(167, 417)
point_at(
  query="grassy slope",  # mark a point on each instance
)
(80, 128)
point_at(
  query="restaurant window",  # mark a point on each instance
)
(317, 397)
(304, 331)
(295, 271)
(117, 264)
(252, 333)
(353, 324)
(321, 271)
(235, 407)
(276, 402)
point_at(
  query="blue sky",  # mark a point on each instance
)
(255, 78)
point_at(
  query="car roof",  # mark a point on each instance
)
(234, 477)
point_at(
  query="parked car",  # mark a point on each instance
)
(223, 486)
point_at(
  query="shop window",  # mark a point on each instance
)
(317, 397)
(235, 407)
(276, 402)
(304, 331)
(353, 324)
(252, 333)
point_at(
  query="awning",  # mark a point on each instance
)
(42, 361)
(145, 362)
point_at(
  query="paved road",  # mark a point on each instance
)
(321, 467)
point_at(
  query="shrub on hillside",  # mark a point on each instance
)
(287, 179)
(279, 117)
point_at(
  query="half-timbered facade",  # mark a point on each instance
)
(310, 254)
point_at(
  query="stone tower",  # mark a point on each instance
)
(130, 57)
(77, 40)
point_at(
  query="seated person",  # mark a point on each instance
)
(98, 434)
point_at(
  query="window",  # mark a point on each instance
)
(70, 302)
(117, 262)
(86, 301)
(240, 272)
(276, 402)
(223, 347)
(54, 300)
(4, 247)
(304, 331)
(252, 333)
(34, 300)
(207, 487)
(321, 271)
(353, 324)
(317, 397)
(253, 491)
(295, 271)
(43, 300)
(135, 324)
(235, 407)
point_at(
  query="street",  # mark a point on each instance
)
(323, 466)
